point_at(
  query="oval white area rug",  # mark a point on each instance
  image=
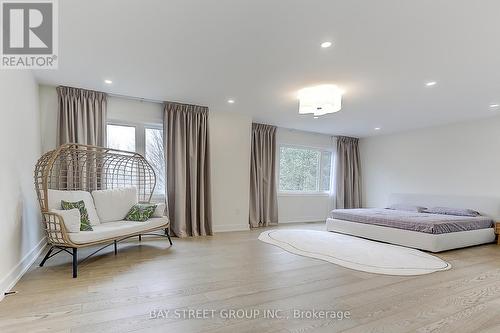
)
(354, 252)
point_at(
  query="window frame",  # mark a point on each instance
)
(123, 124)
(318, 179)
(140, 142)
(155, 197)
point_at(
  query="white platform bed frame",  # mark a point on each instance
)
(421, 240)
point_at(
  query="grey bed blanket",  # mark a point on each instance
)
(422, 222)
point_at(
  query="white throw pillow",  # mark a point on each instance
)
(71, 218)
(55, 197)
(159, 210)
(407, 207)
(114, 204)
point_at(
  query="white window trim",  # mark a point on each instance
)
(306, 193)
(140, 132)
(116, 123)
(155, 197)
(302, 194)
(140, 142)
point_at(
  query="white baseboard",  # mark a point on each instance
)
(231, 227)
(304, 219)
(15, 274)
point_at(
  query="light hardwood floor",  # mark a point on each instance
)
(235, 270)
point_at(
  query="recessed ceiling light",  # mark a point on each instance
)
(377, 128)
(108, 81)
(326, 44)
(494, 106)
(230, 101)
(431, 83)
(316, 117)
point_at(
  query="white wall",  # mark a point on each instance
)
(48, 116)
(230, 144)
(230, 151)
(21, 238)
(459, 159)
(303, 208)
(135, 111)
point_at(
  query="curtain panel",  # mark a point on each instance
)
(263, 192)
(347, 173)
(82, 116)
(81, 119)
(187, 161)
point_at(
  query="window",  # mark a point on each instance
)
(121, 137)
(155, 155)
(304, 169)
(146, 140)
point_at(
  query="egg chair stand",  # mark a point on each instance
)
(73, 251)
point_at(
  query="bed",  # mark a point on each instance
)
(430, 232)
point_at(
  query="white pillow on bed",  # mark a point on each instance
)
(408, 208)
(452, 211)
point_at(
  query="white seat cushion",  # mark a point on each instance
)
(114, 204)
(116, 229)
(55, 197)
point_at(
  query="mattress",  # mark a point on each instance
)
(414, 239)
(421, 222)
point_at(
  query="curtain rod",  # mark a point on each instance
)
(140, 99)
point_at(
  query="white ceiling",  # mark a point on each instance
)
(261, 52)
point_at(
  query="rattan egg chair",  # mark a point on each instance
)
(73, 167)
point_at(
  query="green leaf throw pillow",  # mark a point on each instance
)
(140, 212)
(84, 215)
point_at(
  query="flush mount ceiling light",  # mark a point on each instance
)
(230, 101)
(494, 106)
(320, 100)
(431, 83)
(108, 81)
(377, 128)
(326, 44)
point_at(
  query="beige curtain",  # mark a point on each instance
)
(347, 173)
(263, 193)
(82, 116)
(187, 159)
(81, 119)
